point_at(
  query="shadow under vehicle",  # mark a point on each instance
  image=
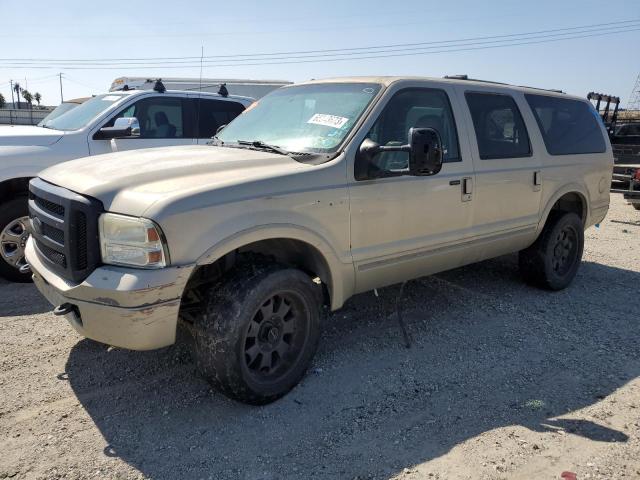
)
(488, 352)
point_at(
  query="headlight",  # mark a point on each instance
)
(131, 241)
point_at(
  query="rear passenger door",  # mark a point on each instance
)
(507, 170)
(211, 114)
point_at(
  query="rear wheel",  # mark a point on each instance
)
(14, 232)
(258, 332)
(636, 206)
(553, 260)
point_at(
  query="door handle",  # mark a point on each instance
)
(537, 180)
(467, 188)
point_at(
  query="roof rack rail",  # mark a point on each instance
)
(466, 77)
(554, 90)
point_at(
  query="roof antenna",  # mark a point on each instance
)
(159, 86)
(199, 89)
(223, 90)
(201, 60)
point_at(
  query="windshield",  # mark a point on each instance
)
(56, 112)
(78, 117)
(309, 118)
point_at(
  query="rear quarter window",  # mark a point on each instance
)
(500, 130)
(568, 127)
(212, 114)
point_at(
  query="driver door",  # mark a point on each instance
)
(404, 226)
(164, 121)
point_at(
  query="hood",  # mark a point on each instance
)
(28, 136)
(130, 182)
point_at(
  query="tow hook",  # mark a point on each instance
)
(64, 309)
(26, 268)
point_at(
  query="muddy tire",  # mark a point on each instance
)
(553, 260)
(14, 230)
(258, 332)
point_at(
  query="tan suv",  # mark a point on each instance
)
(317, 192)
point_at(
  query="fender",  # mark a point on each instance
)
(569, 188)
(21, 162)
(342, 274)
(27, 171)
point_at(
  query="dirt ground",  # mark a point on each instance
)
(503, 381)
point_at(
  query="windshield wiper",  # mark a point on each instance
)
(263, 146)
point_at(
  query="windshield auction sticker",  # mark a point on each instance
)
(328, 120)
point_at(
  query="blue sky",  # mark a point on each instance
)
(75, 29)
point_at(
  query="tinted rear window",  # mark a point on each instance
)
(500, 130)
(568, 126)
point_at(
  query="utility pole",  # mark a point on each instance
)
(12, 106)
(61, 97)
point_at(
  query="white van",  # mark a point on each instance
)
(106, 123)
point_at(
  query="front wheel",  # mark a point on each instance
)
(636, 206)
(258, 332)
(14, 232)
(553, 260)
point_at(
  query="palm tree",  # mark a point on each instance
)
(16, 87)
(2, 101)
(27, 97)
(37, 97)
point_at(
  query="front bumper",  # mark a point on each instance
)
(125, 307)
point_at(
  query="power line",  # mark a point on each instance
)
(381, 49)
(441, 43)
(360, 56)
(92, 87)
(401, 54)
(232, 33)
(348, 52)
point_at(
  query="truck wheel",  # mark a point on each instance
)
(553, 260)
(14, 231)
(258, 333)
(636, 206)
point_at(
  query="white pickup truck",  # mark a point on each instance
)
(145, 118)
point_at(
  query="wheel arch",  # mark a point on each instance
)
(288, 244)
(12, 187)
(571, 198)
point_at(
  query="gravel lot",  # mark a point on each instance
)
(502, 381)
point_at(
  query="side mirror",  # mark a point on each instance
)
(425, 152)
(122, 127)
(425, 155)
